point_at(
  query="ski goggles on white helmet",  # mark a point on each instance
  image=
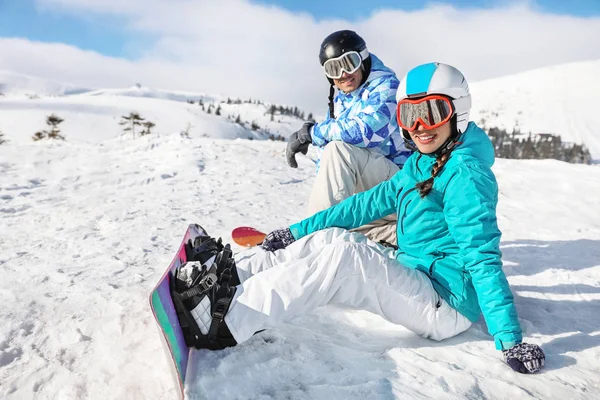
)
(348, 62)
(430, 111)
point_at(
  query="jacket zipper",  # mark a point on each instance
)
(404, 215)
(400, 209)
(398, 193)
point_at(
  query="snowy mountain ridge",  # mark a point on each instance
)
(558, 100)
(547, 100)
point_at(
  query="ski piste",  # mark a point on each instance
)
(164, 312)
(247, 237)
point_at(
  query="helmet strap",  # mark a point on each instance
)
(366, 69)
(331, 94)
(408, 142)
(446, 147)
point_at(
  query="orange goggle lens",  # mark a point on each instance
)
(429, 111)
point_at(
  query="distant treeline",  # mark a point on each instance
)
(517, 145)
(272, 110)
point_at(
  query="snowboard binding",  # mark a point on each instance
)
(202, 290)
(205, 247)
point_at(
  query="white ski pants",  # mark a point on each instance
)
(345, 170)
(335, 266)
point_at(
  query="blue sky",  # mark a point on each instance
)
(21, 18)
(264, 48)
(353, 9)
(106, 35)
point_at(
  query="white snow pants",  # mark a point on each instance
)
(335, 266)
(345, 170)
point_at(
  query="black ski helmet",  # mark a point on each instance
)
(341, 42)
(335, 45)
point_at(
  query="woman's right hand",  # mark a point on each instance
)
(525, 358)
(278, 239)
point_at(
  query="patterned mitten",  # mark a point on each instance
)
(525, 358)
(278, 239)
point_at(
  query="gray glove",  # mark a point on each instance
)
(298, 143)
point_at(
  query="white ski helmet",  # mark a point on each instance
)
(438, 78)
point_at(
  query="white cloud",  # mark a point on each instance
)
(238, 48)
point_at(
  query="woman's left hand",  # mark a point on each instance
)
(525, 358)
(278, 239)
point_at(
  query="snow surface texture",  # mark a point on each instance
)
(88, 226)
(87, 230)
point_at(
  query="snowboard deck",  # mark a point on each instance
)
(247, 237)
(161, 303)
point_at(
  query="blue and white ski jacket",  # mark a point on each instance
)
(366, 117)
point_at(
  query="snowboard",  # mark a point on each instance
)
(247, 237)
(164, 312)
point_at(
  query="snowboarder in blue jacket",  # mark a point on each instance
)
(447, 270)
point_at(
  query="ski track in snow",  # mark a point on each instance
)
(88, 229)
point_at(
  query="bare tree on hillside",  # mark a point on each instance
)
(186, 133)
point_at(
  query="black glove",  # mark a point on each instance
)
(298, 143)
(525, 358)
(278, 239)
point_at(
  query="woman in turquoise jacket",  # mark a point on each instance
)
(447, 270)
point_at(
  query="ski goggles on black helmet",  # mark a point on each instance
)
(430, 111)
(348, 62)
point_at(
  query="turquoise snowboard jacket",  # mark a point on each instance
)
(451, 235)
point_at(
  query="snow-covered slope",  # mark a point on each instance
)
(18, 84)
(559, 100)
(95, 116)
(87, 228)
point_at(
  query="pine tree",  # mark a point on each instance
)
(53, 121)
(130, 122)
(148, 125)
(2, 140)
(218, 110)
